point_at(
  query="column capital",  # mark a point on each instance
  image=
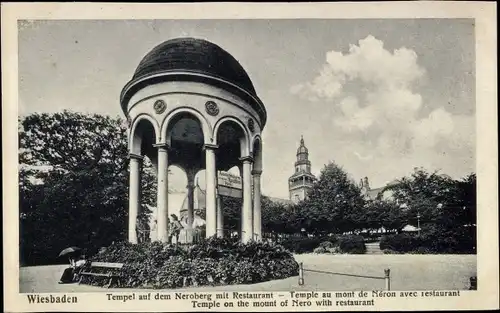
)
(246, 159)
(210, 146)
(135, 156)
(257, 172)
(161, 145)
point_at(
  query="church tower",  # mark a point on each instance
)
(302, 180)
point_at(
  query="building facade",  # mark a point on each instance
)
(381, 193)
(302, 180)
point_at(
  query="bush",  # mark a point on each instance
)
(400, 242)
(433, 239)
(388, 251)
(320, 250)
(354, 244)
(210, 262)
(421, 250)
(331, 244)
(301, 244)
(455, 240)
(326, 244)
(342, 244)
(334, 250)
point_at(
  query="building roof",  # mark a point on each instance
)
(193, 59)
(372, 194)
(280, 200)
(302, 148)
(393, 182)
(302, 173)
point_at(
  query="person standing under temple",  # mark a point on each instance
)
(174, 229)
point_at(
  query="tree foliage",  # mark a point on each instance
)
(73, 183)
(333, 203)
(278, 217)
(232, 211)
(446, 207)
(437, 198)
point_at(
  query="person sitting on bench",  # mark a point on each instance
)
(68, 276)
(78, 267)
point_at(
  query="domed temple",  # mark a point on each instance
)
(191, 104)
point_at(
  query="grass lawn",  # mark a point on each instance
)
(408, 272)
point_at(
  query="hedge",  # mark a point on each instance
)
(354, 244)
(400, 242)
(432, 240)
(301, 244)
(329, 244)
(211, 262)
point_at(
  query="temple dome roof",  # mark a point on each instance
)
(192, 59)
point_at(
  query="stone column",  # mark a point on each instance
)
(134, 195)
(246, 212)
(162, 194)
(257, 220)
(190, 207)
(210, 180)
(220, 218)
(240, 229)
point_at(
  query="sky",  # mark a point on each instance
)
(378, 97)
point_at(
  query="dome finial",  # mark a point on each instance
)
(301, 140)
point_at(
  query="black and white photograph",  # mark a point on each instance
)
(236, 164)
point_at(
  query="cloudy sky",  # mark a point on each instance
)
(378, 97)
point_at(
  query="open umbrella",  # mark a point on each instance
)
(69, 250)
(409, 228)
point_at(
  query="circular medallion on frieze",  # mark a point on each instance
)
(212, 108)
(251, 124)
(159, 106)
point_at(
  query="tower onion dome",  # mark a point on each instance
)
(196, 60)
(302, 148)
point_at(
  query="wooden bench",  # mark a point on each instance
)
(111, 273)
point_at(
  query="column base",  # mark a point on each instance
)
(220, 233)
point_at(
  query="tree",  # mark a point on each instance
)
(232, 212)
(424, 194)
(467, 198)
(73, 184)
(275, 216)
(382, 213)
(333, 202)
(447, 209)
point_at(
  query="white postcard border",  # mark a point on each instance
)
(486, 126)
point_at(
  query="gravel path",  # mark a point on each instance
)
(408, 272)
